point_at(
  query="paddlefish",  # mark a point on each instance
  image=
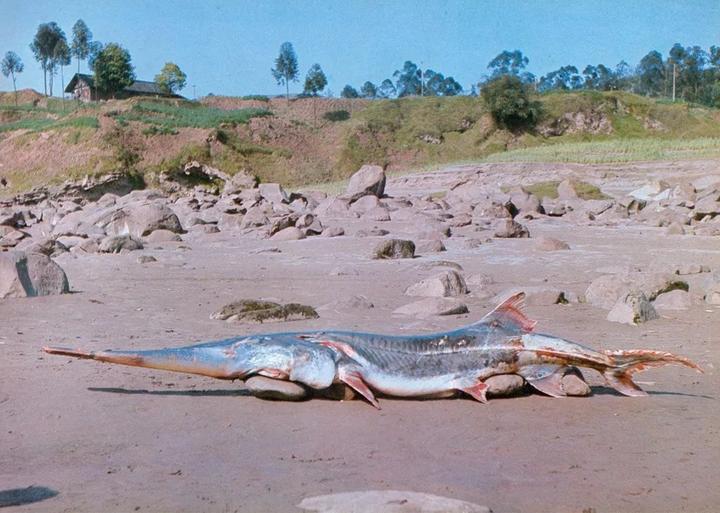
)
(502, 342)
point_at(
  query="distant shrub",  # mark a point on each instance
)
(159, 130)
(337, 115)
(256, 97)
(509, 102)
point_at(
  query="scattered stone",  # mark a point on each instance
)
(686, 269)
(394, 248)
(432, 264)
(255, 311)
(510, 229)
(48, 246)
(712, 294)
(367, 180)
(388, 501)
(275, 389)
(351, 303)
(604, 291)
(238, 182)
(574, 384)
(550, 244)
(430, 246)
(504, 385)
(118, 243)
(289, 233)
(433, 306)
(146, 259)
(673, 300)
(163, 236)
(446, 284)
(273, 192)
(375, 232)
(632, 308)
(333, 231)
(378, 214)
(675, 229)
(30, 275)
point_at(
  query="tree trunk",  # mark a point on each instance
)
(62, 87)
(14, 88)
(44, 79)
(78, 61)
(287, 90)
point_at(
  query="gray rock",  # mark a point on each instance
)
(238, 182)
(23, 275)
(333, 231)
(504, 385)
(712, 294)
(433, 306)
(388, 501)
(446, 284)
(574, 384)
(374, 232)
(163, 236)
(673, 300)
(118, 243)
(289, 233)
(368, 179)
(632, 308)
(604, 291)
(394, 248)
(146, 259)
(510, 229)
(430, 246)
(274, 193)
(141, 219)
(48, 247)
(566, 190)
(275, 389)
(376, 214)
(550, 244)
(254, 217)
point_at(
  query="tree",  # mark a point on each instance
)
(82, 38)
(508, 63)
(369, 90)
(171, 78)
(315, 80)
(95, 47)
(651, 74)
(61, 57)
(508, 100)
(565, 78)
(407, 80)
(436, 84)
(113, 70)
(286, 67)
(12, 65)
(386, 89)
(43, 47)
(349, 92)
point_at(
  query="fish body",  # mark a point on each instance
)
(502, 342)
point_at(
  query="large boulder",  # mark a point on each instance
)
(118, 243)
(510, 229)
(447, 284)
(632, 308)
(274, 193)
(141, 219)
(23, 275)
(367, 180)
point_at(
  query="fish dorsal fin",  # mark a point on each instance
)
(511, 312)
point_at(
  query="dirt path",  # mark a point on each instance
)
(122, 439)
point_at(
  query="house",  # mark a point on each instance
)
(82, 87)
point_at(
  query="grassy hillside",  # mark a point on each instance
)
(317, 140)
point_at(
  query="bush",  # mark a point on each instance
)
(509, 102)
(337, 115)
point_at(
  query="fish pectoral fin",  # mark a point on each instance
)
(545, 378)
(354, 380)
(478, 391)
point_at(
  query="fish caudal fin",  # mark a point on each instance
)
(627, 363)
(511, 313)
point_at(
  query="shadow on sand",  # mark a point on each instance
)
(601, 390)
(22, 496)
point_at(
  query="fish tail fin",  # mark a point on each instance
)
(627, 363)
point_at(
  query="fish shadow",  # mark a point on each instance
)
(22, 496)
(601, 390)
(191, 393)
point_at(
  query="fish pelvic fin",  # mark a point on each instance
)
(477, 391)
(545, 378)
(511, 312)
(354, 380)
(627, 363)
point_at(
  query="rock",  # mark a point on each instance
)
(254, 217)
(374, 232)
(117, 243)
(87, 246)
(712, 294)
(675, 229)
(433, 306)
(574, 384)
(334, 207)
(364, 204)
(275, 389)
(394, 248)
(604, 291)
(510, 229)
(686, 269)
(141, 219)
(632, 308)
(504, 385)
(289, 233)
(367, 180)
(351, 303)
(430, 246)
(47, 246)
(446, 284)
(654, 191)
(376, 214)
(273, 192)
(254, 311)
(146, 259)
(163, 236)
(550, 244)
(566, 190)
(333, 231)
(23, 275)
(238, 182)
(337, 392)
(673, 300)
(388, 501)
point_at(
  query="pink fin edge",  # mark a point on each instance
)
(512, 309)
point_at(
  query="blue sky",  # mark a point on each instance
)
(229, 47)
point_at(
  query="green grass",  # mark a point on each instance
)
(614, 151)
(186, 114)
(42, 124)
(549, 189)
